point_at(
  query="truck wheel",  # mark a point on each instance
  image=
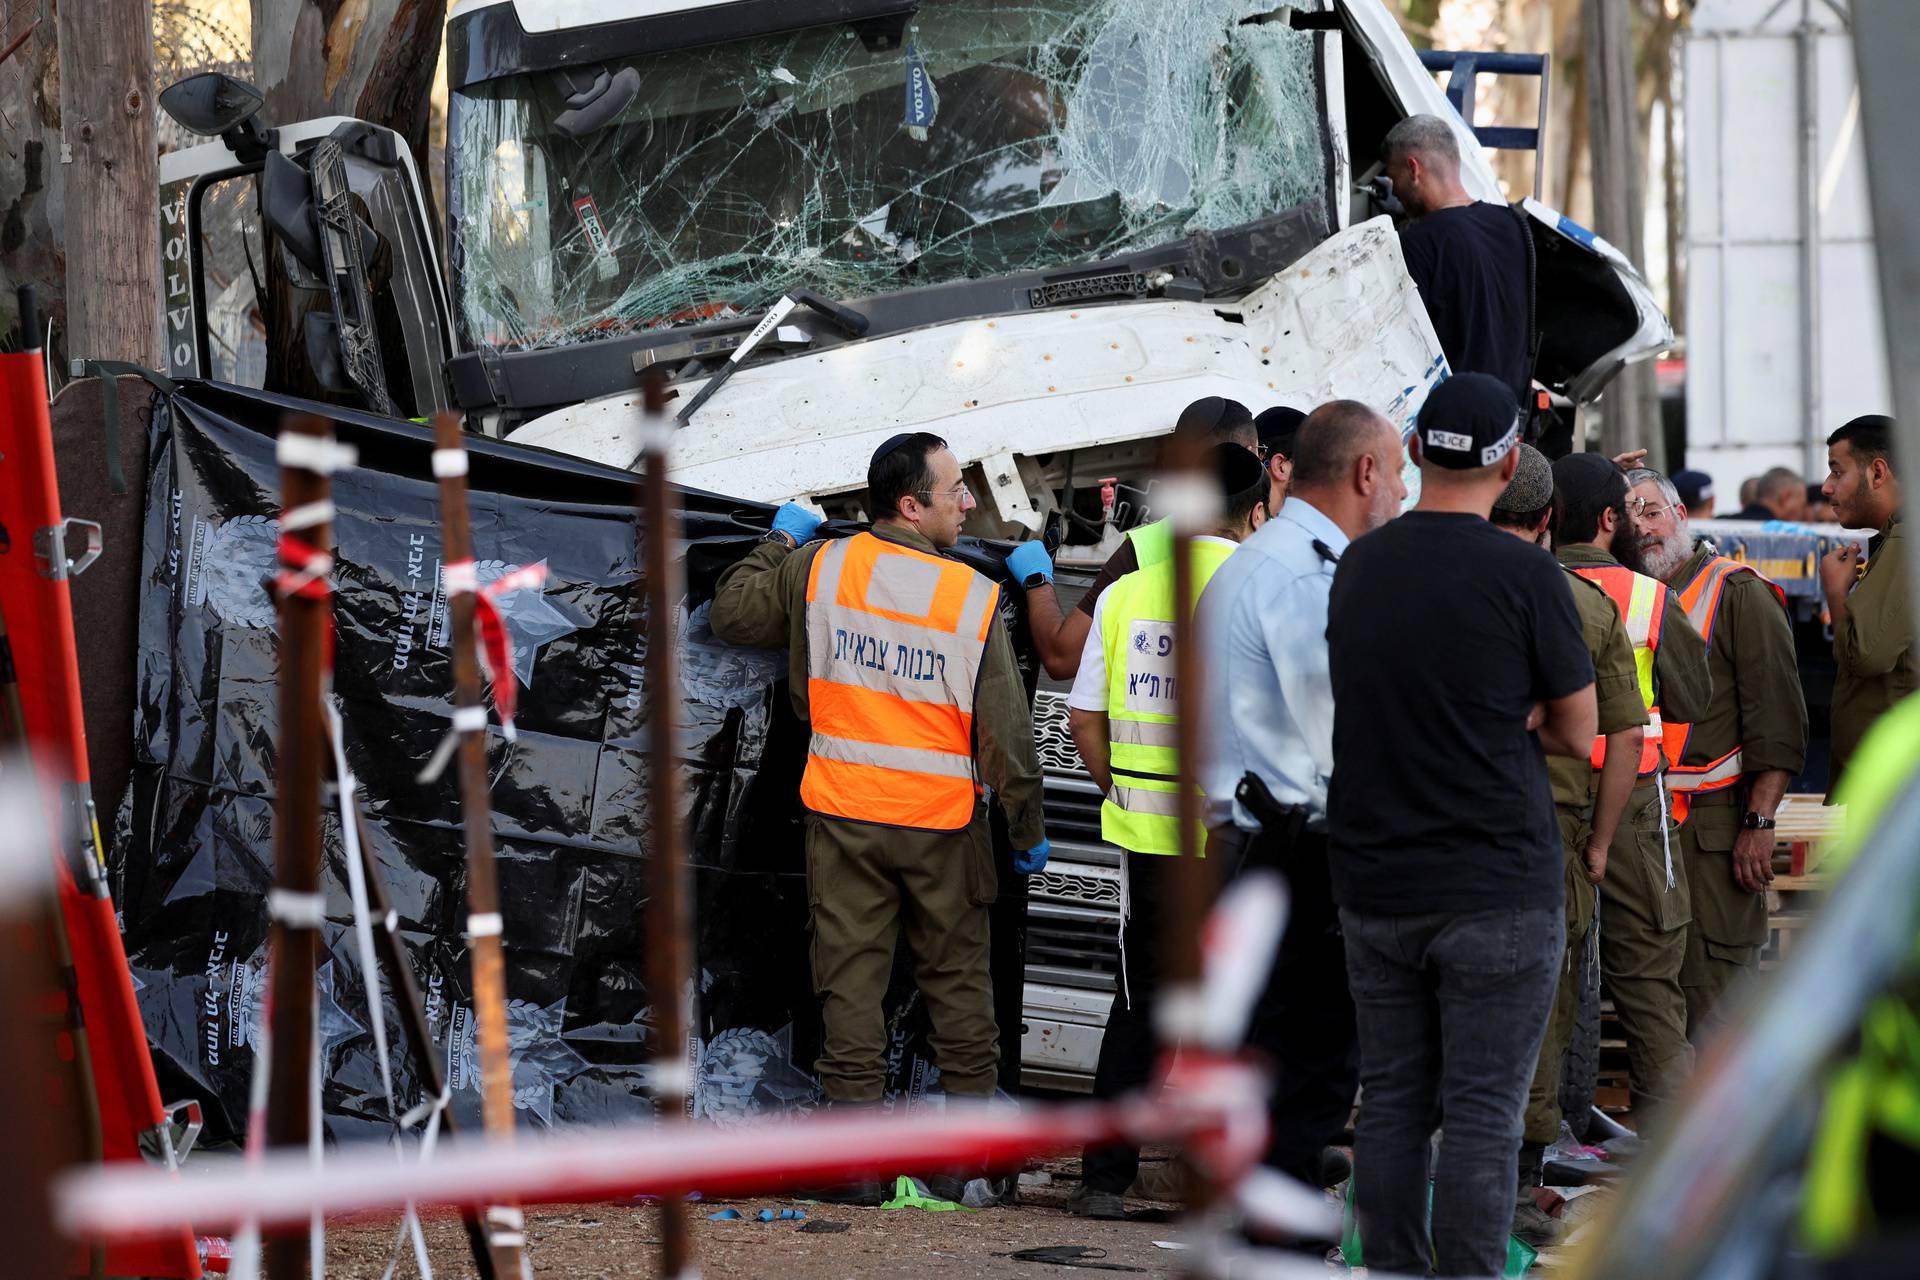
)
(1580, 1072)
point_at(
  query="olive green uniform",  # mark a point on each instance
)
(1616, 691)
(1643, 928)
(1759, 708)
(1872, 648)
(867, 882)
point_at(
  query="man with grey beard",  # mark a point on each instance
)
(1728, 770)
(1644, 898)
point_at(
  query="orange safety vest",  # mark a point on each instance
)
(1643, 605)
(895, 639)
(1701, 599)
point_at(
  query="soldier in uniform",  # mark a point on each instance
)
(1872, 616)
(1589, 809)
(1731, 767)
(903, 670)
(1643, 940)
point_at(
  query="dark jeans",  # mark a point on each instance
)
(1451, 1008)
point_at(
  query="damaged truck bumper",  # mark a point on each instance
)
(1014, 392)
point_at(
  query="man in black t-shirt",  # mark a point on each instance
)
(1457, 663)
(1468, 257)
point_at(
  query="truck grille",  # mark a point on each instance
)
(1069, 887)
(1051, 738)
(1073, 951)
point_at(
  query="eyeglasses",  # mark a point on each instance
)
(958, 493)
(1647, 508)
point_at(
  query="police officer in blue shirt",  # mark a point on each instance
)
(1269, 753)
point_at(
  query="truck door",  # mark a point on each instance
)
(1595, 311)
(305, 268)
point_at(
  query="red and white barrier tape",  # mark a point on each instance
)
(127, 1202)
(495, 648)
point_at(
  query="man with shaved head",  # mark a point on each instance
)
(1268, 753)
(1779, 494)
(1468, 257)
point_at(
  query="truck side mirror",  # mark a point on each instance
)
(212, 104)
(286, 201)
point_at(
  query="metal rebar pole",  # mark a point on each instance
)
(294, 905)
(413, 1020)
(667, 920)
(485, 929)
(1194, 880)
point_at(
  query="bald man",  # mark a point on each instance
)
(1468, 257)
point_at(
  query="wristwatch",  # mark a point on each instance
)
(1756, 822)
(780, 536)
(1032, 580)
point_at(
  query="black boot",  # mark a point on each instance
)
(867, 1190)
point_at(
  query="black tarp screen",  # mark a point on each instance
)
(193, 844)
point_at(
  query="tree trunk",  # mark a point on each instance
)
(112, 172)
(31, 188)
(372, 59)
(1671, 178)
(1631, 411)
(1573, 64)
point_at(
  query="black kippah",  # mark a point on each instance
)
(888, 445)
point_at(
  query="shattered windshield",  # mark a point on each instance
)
(982, 138)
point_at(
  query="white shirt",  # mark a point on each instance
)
(1090, 681)
(1269, 701)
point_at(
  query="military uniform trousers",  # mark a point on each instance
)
(865, 885)
(1643, 942)
(1729, 923)
(1543, 1096)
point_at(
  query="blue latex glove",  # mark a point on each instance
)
(1028, 861)
(796, 520)
(1028, 559)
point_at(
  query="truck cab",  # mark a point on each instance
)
(1037, 230)
(1053, 226)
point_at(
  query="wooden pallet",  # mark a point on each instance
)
(1807, 827)
(1610, 1092)
(1791, 903)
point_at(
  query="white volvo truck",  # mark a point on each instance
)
(1037, 229)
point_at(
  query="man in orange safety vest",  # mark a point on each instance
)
(1644, 905)
(902, 668)
(1730, 767)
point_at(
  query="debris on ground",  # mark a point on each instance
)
(1070, 1255)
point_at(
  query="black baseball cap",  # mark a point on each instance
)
(1694, 487)
(1279, 429)
(1469, 421)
